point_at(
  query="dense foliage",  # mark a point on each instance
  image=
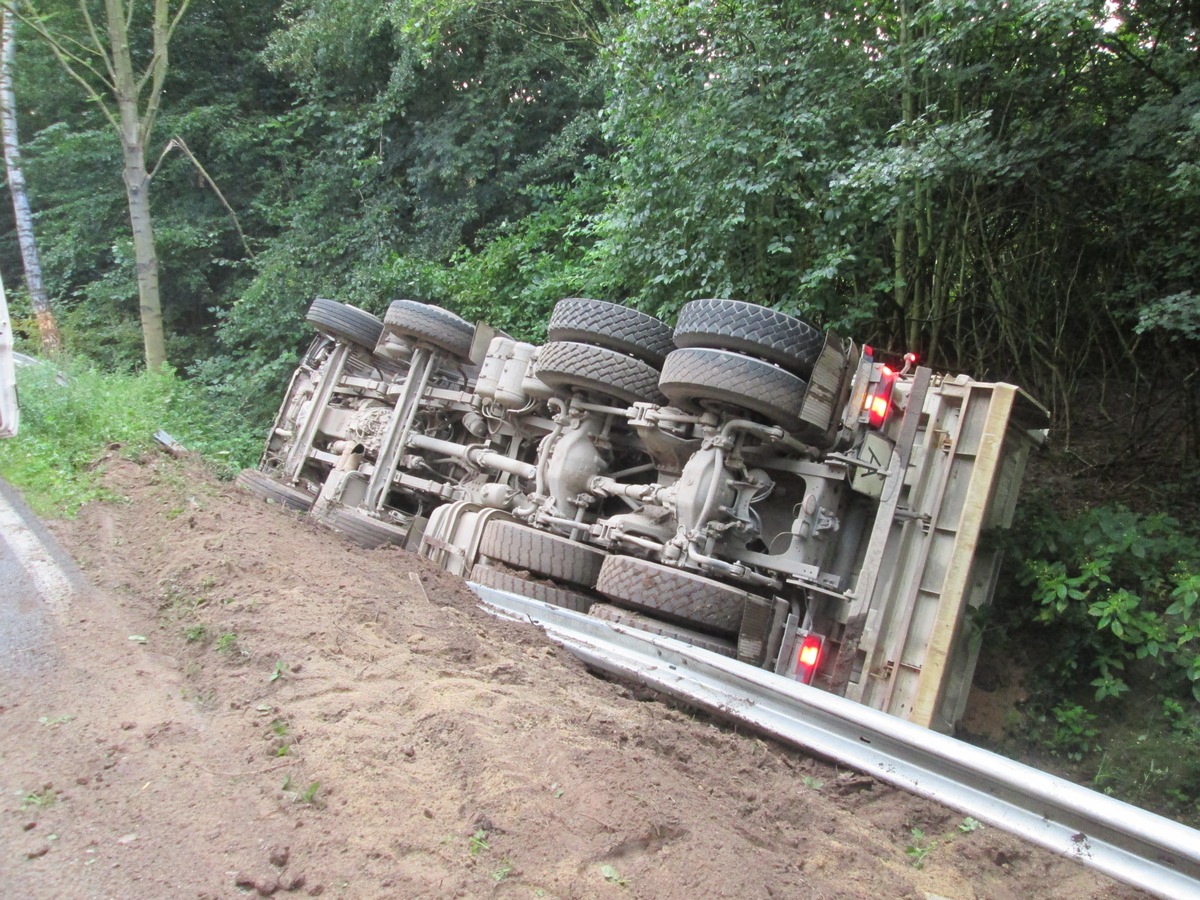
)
(1011, 189)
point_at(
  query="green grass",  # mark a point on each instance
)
(66, 428)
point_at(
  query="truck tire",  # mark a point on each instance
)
(599, 370)
(345, 323)
(615, 614)
(489, 576)
(750, 329)
(541, 553)
(611, 325)
(675, 595)
(365, 532)
(693, 377)
(431, 324)
(272, 491)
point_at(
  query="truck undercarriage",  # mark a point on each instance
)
(744, 482)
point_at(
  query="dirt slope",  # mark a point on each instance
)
(306, 717)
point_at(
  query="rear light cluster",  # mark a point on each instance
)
(808, 657)
(878, 401)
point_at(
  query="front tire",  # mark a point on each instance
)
(343, 322)
(430, 324)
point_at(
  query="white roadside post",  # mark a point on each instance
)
(10, 414)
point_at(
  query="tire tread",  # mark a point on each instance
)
(568, 364)
(432, 324)
(267, 488)
(750, 329)
(490, 576)
(541, 553)
(677, 595)
(613, 326)
(343, 322)
(693, 374)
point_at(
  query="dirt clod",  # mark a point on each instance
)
(263, 885)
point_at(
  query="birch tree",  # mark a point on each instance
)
(96, 49)
(47, 326)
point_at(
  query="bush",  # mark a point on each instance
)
(68, 419)
(1117, 587)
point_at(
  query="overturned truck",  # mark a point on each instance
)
(743, 482)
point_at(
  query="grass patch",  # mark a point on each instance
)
(67, 427)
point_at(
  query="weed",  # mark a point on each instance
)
(1074, 735)
(39, 799)
(919, 848)
(477, 843)
(308, 795)
(280, 671)
(501, 873)
(967, 825)
(227, 643)
(279, 731)
(203, 699)
(813, 784)
(611, 875)
(54, 722)
(180, 601)
(196, 634)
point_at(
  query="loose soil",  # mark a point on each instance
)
(305, 717)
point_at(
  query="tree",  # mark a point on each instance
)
(101, 60)
(47, 326)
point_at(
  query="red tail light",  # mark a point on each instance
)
(879, 401)
(808, 658)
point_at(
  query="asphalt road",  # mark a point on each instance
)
(39, 584)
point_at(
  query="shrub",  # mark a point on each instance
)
(1116, 586)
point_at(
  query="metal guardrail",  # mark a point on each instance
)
(1128, 843)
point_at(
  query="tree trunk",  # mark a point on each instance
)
(47, 326)
(145, 254)
(134, 129)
